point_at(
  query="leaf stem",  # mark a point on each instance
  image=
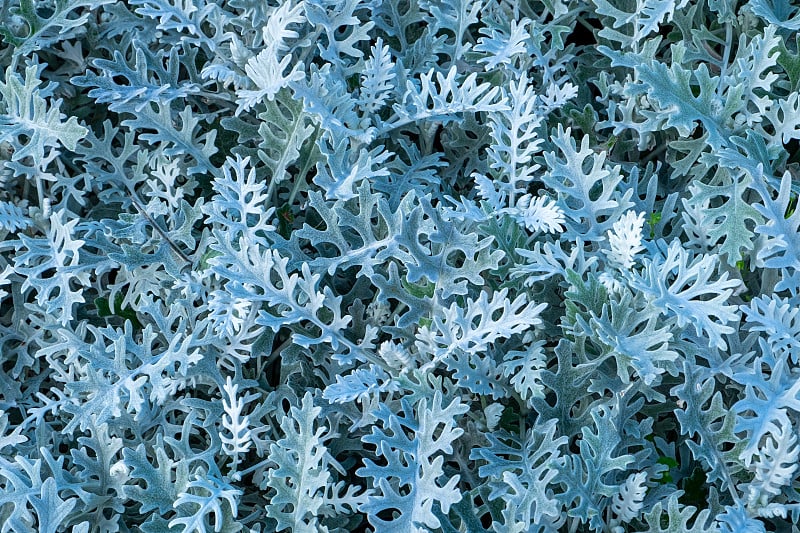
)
(726, 54)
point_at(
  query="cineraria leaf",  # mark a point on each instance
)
(477, 374)
(352, 238)
(44, 29)
(556, 96)
(767, 398)
(525, 369)
(12, 217)
(14, 437)
(550, 259)
(590, 294)
(634, 340)
(100, 473)
(181, 140)
(755, 65)
(705, 415)
(790, 62)
(420, 303)
(567, 383)
(58, 292)
(301, 474)
(521, 471)
(345, 170)
(777, 12)
(148, 81)
(410, 170)
(671, 88)
(781, 233)
(268, 75)
(326, 96)
(178, 15)
(204, 498)
(736, 519)
(236, 425)
(34, 485)
(377, 81)
(573, 175)
(161, 485)
(413, 445)
(262, 276)
(686, 296)
(678, 518)
(645, 19)
(473, 328)
(784, 118)
(267, 69)
(778, 318)
(627, 503)
(537, 214)
(452, 257)
(359, 385)
(239, 206)
(502, 44)
(228, 314)
(445, 99)
(454, 16)
(395, 22)
(51, 510)
(625, 240)
(330, 16)
(587, 476)
(774, 465)
(493, 413)
(284, 129)
(25, 112)
(733, 214)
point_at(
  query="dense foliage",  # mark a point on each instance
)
(399, 265)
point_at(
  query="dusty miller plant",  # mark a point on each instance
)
(399, 266)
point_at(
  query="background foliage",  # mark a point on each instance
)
(399, 265)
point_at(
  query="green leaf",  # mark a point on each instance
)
(126, 313)
(791, 63)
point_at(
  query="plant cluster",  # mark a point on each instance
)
(399, 266)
